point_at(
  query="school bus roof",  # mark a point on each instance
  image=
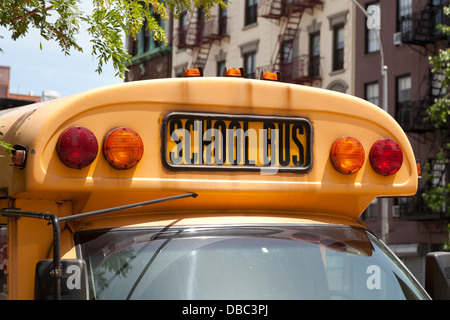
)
(319, 117)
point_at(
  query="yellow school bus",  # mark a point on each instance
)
(201, 188)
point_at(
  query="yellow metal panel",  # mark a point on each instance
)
(146, 219)
(319, 196)
(142, 106)
(29, 240)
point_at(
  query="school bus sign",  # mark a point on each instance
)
(243, 142)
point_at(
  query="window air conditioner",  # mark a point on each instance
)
(398, 38)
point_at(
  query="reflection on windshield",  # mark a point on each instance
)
(307, 262)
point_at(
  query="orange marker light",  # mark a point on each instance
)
(347, 155)
(193, 72)
(123, 148)
(233, 72)
(274, 76)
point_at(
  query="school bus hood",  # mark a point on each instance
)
(143, 106)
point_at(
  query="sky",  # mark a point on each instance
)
(33, 70)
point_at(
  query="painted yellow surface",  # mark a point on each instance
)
(142, 106)
(318, 195)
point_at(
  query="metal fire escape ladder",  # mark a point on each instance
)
(287, 38)
(208, 31)
(191, 40)
(203, 46)
(200, 35)
(290, 13)
(421, 27)
(426, 28)
(201, 56)
(271, 9)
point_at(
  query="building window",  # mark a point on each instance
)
(372, 93)
(182, 29)
(438, 15)
(152, 43)
(220, 67)
(314, 54)
(437, 173)
(437, 178)
(144, 39)
(404, 16)
(338, 47)
(179, 70)
(222, 21)
(250, 65)
(403, 103)
(201, 21)
(371, 211)
(286, 52)
(404, 89)
(248, 54)
(372, 44)
(251, 11)
(133, 46)
(338, 85)
(138, 47)
(437, 88)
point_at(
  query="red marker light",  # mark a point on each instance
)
(386, 157)
(77, 147)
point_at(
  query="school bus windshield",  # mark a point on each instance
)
(258, 262)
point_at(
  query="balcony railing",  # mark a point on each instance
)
(302, 69)
(202, 31)
(421, 27)
(416, 209)
(412, 115)
(215, 28)
(276, 9)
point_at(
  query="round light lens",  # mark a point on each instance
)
(386, 157)
(77, 147)
(347, 155)
(123, 148)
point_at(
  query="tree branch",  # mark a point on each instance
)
(28, 15)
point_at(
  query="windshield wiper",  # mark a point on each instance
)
(128, 206)
(150, 262)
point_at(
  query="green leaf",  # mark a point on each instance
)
(109, 23)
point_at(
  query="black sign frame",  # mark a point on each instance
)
(306, 124)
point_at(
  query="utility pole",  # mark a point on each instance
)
(374, 23)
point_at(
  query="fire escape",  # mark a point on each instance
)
(301, 69)
(420, 29)
(198, 34)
